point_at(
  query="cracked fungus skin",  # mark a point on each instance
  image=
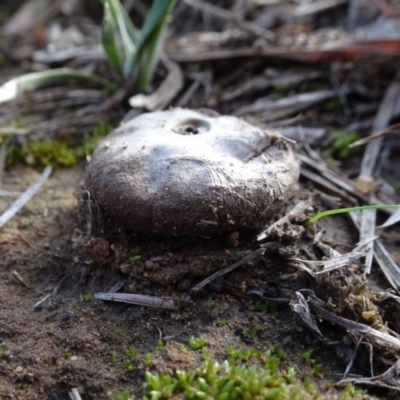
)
(182, 172)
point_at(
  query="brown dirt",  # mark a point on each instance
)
(72, 343)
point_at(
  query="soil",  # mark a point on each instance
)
(72, 342)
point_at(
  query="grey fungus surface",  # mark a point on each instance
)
(182, 172)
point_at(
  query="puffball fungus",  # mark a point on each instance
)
(182, 172)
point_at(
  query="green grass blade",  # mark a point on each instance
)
(150, 41)
(109, 40)
(157, 17)
(128, 32)
(36, 80)
(347, 210)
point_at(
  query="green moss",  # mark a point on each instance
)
(129, 360)
(282, 89)
(148, 359)
(114, 356)
(55, 152)
(339, 148)
(17, 123)
(134, 259)
(307, 354)
(87, 298)
(50, 152)
(90, 140)
(160, 345)
(197, 343)
(352, 393)
(258, 378)
(14, 154)
(123, 396)
(333, 104)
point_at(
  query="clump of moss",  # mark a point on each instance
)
(339, 148)
(197, 343)
(257, 378)
(49, 152)
(56, 152)
(90, 140)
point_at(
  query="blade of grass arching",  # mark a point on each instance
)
(327, 213)
(36, 80)
(150, 39)
(109, 40)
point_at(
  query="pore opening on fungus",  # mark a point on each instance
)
(192, 127)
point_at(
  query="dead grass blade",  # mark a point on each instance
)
(263, 82)
(391, 130)
(165, 93)
(229, 16)
(339, 180)
(74, 394)
(302, 310)
(297, 210)
(318, 6)
(334, 263)
(24, 198)
(393, 219)
(389, 268)
(383, 117)
(327, 186)
(386, 263)
(389, 380)
(32, 13)
(376, 338)
(289, 104)
(254, 254)
(138, 299)
(329, 52)
(300, 134)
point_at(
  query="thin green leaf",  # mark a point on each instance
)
(151, 56)
(36, 80)
(128, 32)
(109, 39)
(157, 16)
(150, 41)
(346, 210)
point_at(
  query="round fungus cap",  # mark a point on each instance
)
(183, 172)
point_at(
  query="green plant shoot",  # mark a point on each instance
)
(327, 213)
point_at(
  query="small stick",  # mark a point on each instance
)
(248, 257)
(24, 198)
(298, 209)
(74, 394)
(38, 305)
(138, 299)
(19, 278)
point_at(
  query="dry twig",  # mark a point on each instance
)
(24, 198)
(137, 299)
(254, 254)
